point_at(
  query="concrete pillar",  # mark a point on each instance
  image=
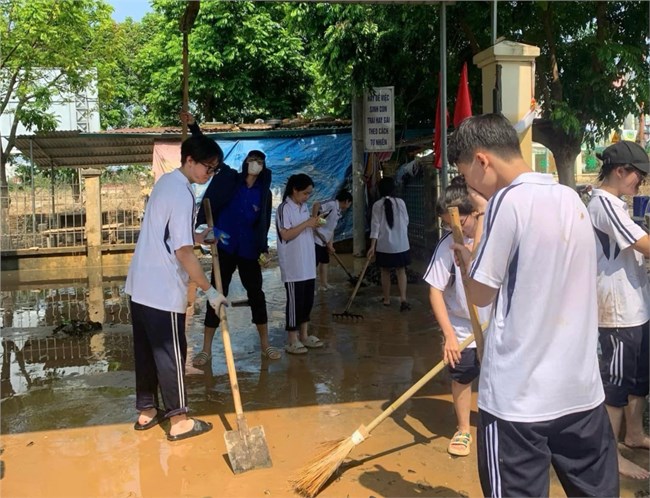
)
(517, 62)
(358, 182)
(93, 216)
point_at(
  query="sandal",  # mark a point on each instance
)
(156, 419)
(272, 353)
(404, 306)
(296, 348)
(197, 429)
(201, 359)
(313, 342)
(459, 444)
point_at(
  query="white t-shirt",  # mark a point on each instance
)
(390, 240)
(540, 361)
(444, 274)
(156, 277)
(297, 257)
(623, 286)
(332, 214)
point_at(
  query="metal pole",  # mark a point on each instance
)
(31, 161)
(493, 12)
(358, 183)
(443, 94)
(54, 217)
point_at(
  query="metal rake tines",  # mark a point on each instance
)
(347, 315)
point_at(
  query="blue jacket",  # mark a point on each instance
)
(224, 186)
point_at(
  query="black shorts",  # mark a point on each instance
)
(467, 369)
(322, 255)
(393, 260)
(514, 457)
(624, 363)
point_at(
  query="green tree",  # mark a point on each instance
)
(48, 49)
(244, 63)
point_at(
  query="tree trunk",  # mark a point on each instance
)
(565, 148)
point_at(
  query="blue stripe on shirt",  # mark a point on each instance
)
(616, 222)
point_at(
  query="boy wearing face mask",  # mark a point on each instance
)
(241, 207)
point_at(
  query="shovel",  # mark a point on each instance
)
(247, 448)
(351, 278)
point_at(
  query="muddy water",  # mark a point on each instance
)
(67, 402)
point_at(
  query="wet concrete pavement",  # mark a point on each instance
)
(68, 407)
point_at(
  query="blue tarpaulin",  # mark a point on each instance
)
(326, 158)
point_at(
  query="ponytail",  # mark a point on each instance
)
(386, 187)
(455, 195)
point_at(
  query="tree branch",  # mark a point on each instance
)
(556, 84)
(10, 90)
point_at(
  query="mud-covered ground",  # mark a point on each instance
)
(68, 408)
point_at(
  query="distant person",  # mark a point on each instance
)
(297, 260)
(389, 240)
(157, 281)
(331, 212)
(241, 209)
(447, 298)
(623, 296)
(540, 395)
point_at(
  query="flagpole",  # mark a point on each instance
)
(443, 95)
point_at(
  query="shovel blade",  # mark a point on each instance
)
(247, 450)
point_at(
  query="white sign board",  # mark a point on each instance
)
(379, 119)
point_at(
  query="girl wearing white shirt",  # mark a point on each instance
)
(297, 261)
(389, 240)
(447, 298)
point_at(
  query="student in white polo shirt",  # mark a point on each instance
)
(157, 280)
(623, 295)
(447, 298)
(540, 395)
(390, 241)
(331, 212)
(297, 261)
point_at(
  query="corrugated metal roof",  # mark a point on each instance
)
(129, 146)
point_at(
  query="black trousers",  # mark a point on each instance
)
(250, 274)
(300, 300)
(160, 350)
(514, 457)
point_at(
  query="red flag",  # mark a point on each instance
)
(463, 108)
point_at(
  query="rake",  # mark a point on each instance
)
(346, 312)
(351, 278)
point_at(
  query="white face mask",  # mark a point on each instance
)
(254, 168)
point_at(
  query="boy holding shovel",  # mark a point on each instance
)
(540, 396)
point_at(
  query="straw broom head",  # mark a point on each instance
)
(313, 476)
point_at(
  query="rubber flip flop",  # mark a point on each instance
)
(201, 360)
(158, 418)
(272, 353)
(199, 428)
(312, 342)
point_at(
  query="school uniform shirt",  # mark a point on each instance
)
(156, 277)
(332, 213)
(297, 257)
(623, 286)
(444, 274)
(540, 361)
(390, 240)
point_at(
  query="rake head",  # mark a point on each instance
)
(354, 280)
(347, 315)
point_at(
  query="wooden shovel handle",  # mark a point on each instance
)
(457, 234)
(358, 284)
(225, 334)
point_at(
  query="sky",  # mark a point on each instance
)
(129, 8)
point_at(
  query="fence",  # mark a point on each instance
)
(55, 215)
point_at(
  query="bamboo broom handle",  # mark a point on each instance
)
(225, 334)
(457, 233)
(413, 389)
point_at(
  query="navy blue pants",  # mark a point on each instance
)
(160, 350)
(250, 274)
(514, 457)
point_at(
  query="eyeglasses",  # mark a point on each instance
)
(211, 168)
(447, 226)
(640, 174)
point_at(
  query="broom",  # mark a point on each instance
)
(316, 473)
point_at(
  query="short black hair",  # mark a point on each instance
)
(344, 196)
(492, 132)
(201, 148)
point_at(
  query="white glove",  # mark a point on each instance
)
(216, 298)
